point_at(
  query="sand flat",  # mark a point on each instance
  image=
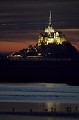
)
(38, 107)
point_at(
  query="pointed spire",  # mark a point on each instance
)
(50, 19)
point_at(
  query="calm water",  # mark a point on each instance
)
(39, 92)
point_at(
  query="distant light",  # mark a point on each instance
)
(39, 54)
(17, 56)
(49, 53)
(27, 50)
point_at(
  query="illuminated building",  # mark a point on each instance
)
(52, 45)
(50, 35)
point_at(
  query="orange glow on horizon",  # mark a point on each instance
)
(14, 46)
(17, 42)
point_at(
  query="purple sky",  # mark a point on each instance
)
(22, 20)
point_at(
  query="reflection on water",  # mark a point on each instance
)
(38, 97)
(39, 92)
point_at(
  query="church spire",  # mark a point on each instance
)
(50, 19)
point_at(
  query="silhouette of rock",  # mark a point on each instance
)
(51, 44)
(50, 51)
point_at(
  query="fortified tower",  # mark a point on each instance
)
(50, 35)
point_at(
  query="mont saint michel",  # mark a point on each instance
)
(52, 60)
(52, 45)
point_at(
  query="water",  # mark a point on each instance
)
(39, 92)
(47, 93)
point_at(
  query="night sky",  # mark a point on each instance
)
(21, 21)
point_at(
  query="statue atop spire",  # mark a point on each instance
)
(50, 17)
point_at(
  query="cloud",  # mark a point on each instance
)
(17, 41)
(71, 34)
(23, 20)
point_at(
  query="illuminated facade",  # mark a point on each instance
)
(50, 35)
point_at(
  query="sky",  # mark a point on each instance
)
(21, 21)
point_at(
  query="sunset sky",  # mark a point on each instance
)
(21, 21)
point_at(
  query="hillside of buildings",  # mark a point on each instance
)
(50, 51)
(51, 45)
(53, 59)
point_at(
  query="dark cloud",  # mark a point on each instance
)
(37, 11)
(22, 20)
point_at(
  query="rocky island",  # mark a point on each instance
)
(51, 45)
(53, 59)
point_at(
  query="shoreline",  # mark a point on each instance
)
(39, 109)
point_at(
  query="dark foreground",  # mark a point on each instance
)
(24, 117)
(39, 71)
(42, 114)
